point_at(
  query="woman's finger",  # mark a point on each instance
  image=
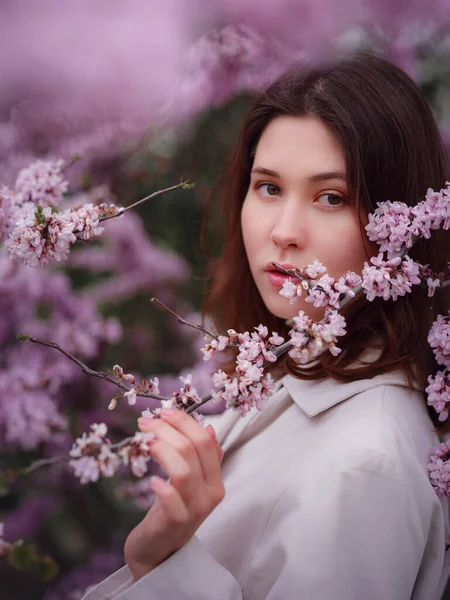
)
(165, 432)
(202, 441)
(210, 430)
(176, 468)
(170, 500)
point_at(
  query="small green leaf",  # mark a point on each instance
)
(23, 337)
(21, 556)
(47, 568)
(39, 214)
(185, 185)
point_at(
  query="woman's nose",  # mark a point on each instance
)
(290, 227)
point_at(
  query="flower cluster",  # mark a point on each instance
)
(136, 453)
(324, 291)
(249, 387)
(93, 455)
(310, 339)
(395, 225)
(438, 389)
(146, 388)
(32, 226)
(389, 278)
(215, 345)
(42, 183)
(439, 340)
(42, 236)
(439, 469)
(186, 398)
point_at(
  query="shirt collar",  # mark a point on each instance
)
(317, 395)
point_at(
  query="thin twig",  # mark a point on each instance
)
(87, 370)
(43, 462)
(121, 211)
(183, 321)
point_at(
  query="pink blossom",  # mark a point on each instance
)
(438, 391)
(136, 453)
(188, 394)
(131, 396)
(291, 290)
(348, 283)
(118, 372)
(94, 438)
(314, 269)
(432, 284)
(276, 339)
(439, 469)
(389, 278)
(310, 339)
(9, 212)
(86, 221)
(41, 237)
(42, 183)
(389, 226)
(250, 388)
(214, 345)
(432, 213)
(321, 292)
(92, 456)
(151, 386)
(256, 348)
(439, 340)
(395, 225)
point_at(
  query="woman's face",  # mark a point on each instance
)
(296, 209)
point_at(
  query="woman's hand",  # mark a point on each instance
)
(191, 457)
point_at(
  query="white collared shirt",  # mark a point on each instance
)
(327, 497)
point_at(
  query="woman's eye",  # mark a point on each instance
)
(330, 199)
(268, 189)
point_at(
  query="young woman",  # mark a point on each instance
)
(324, 494)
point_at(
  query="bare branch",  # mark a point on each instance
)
(185, 185)
(88, 371)
(183, 321)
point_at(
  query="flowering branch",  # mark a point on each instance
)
(33, 227)
(394, 226)
(145, 390)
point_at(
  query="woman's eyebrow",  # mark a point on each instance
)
(328, 175)
(313, 178)
(263, 171)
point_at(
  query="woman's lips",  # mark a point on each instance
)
(277, 279)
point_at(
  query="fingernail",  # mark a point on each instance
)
(157, 484)
(210, 428)
(166, 413)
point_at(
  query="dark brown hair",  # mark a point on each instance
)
(393, 151)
